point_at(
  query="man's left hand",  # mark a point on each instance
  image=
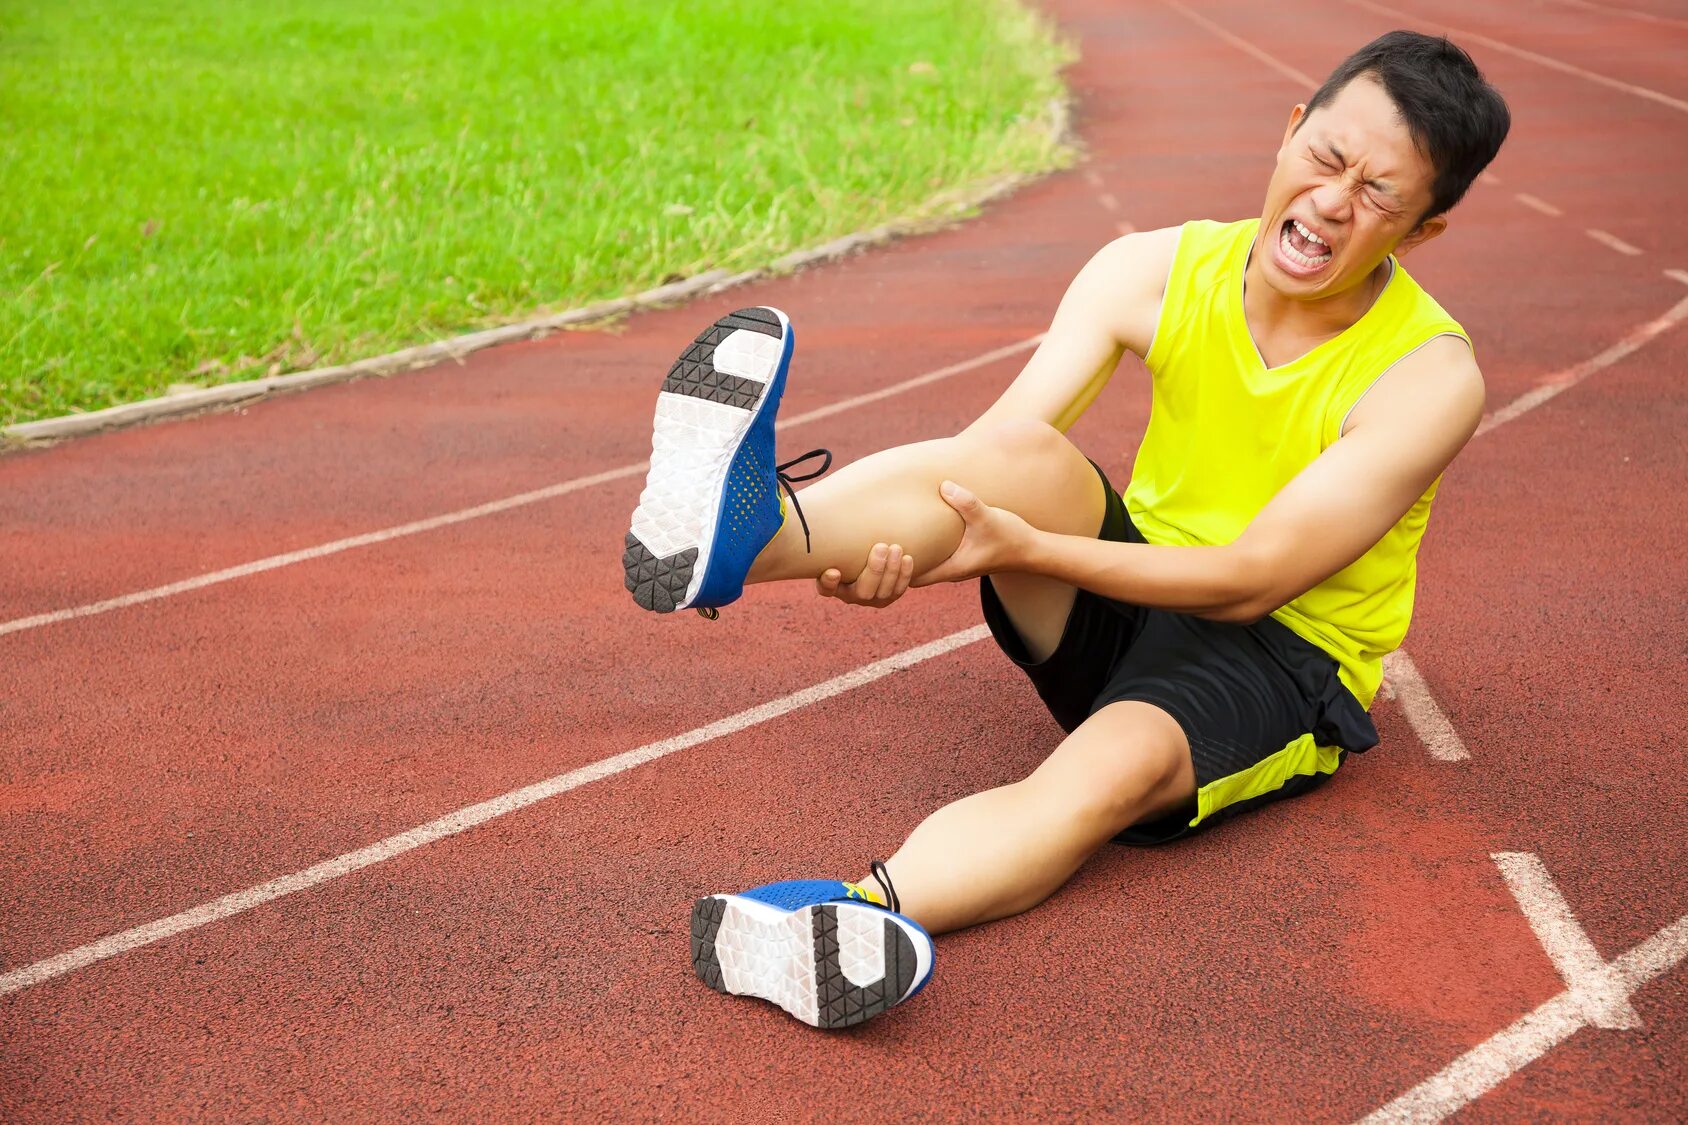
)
(993, 540)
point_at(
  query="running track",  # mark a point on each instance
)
(1371, 947)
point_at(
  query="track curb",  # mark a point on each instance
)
(938, 211)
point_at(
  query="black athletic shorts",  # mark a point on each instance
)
(1263, 710)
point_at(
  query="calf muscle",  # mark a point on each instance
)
(892, 497)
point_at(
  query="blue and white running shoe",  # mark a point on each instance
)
(818, 948)
(712, 498)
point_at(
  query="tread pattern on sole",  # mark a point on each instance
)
(693, 445)
(657, 584)
(754, 319)
(706, 923)
(840, 1003)
(697, 377)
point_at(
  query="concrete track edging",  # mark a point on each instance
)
(938, 211)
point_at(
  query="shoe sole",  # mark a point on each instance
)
(714, 392)
(832, 965)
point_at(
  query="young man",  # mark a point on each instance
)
(1211, 639)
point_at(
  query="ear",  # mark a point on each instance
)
(1421, 234)
(1296, 116)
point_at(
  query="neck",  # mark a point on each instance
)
(1270, 311)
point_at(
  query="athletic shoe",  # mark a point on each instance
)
(818, 948)
(712, 498)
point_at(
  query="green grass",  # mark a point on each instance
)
(201, 191)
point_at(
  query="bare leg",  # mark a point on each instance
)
(892, 497)
(1005, 850)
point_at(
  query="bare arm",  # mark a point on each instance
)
(1400, 438)
(1110, 308)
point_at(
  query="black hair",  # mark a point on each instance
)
(1456, 119)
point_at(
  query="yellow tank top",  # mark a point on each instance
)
(1226, 432)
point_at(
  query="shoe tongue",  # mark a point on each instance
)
(864, 893)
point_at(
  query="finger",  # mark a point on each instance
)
(904, 576)
(888, 575)
(866, 582)
(827, 584)
(960, 499)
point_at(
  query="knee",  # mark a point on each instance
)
(1020, 440)
(1115, 783)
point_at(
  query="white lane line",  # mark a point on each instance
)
(469, 817)
(907, 385)
(274, 562)
(1427, 719)
(1562, 381)
(1607, 9)
(1527, 1039)
(1678, 275)
(1293, 75)
(1243, 45)
(1613, 242)
(1535, 203)
(1109, 200)
(433, 523)
(1540, 60)
(1588, 975)
(1489, 177)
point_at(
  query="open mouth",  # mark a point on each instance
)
(1304, 252)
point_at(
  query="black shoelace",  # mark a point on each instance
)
(883, 878)
(787, 479)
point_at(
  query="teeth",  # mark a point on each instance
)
(1309, 235)
(1295, 255)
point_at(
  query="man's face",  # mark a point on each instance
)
(1348, 190)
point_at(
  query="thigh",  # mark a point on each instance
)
(1128, 762)
(1038, 607)
(1067, 641)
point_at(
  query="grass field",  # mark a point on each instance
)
(200, 191)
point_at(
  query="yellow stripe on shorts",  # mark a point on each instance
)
(1301, 758)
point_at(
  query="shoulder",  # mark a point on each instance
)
(1435, 391)
(1125, 282)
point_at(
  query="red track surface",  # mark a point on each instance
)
(1315, 960)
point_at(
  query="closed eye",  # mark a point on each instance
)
(1380, 202)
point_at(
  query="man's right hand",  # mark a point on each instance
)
(882, 581)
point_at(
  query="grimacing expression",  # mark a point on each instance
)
(1349, 188)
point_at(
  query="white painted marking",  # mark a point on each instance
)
(1540, 60)
(1537, 204)
(1631, 13)
(1589, 976)
(1093, 178)
(471, 816)
(1613, 242)
(367, 539)
(433, 523)
(1489, 177)
(1678, 275)
(1125, 228)
(1427, 719)
(1243, 45)
(906, 385)
(1109, 200)
(1527, 1039)
(1562, 381)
